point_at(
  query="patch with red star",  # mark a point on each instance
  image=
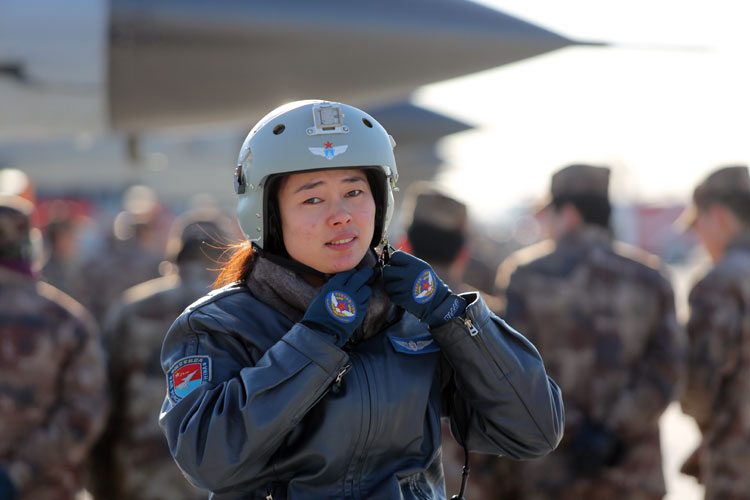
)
(424, 287)
(341, 307)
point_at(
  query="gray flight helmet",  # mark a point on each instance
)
(311, 135)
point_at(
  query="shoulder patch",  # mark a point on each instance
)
(186, 375)
(415, 345)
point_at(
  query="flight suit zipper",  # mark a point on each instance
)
(470, 326)
(336, 385)
(353, 474)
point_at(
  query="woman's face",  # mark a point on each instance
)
(327, 218)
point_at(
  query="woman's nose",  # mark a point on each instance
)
(340, 215)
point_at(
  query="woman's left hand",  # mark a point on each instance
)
(411, 283)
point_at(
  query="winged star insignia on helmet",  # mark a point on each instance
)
(329, 151)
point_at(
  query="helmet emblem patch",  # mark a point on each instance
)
(424, 287)
(341, 307)
(329, 151)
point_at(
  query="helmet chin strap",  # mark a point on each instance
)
(384, 256)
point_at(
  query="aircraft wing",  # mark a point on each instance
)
(132, 65)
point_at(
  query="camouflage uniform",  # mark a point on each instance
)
(602, 316)
(120, 265)
(53, 397)
(718, 390)
(61, 236)
(132, 460)
(131, 254)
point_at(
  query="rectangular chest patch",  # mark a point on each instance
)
(414, 345)
(186, 375)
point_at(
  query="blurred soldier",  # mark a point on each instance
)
(437, 232)
(53, 398)
(61, 225)
(15, 182)
(130, 256)
(718, 389)
(602, 316)
(132, 459)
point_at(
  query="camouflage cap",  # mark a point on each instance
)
(578, 179)
(436, 224)
(425, 204)
(15, 228)
(722, 182)
(719, 185)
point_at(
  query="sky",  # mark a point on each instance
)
(664, 104)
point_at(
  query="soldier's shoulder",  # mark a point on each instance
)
(65, 304)
(520, 259)
(728, 274)
(735, 264)
(161, 297)
(534, 253)
(639, 265)
(529, 256)
(149, 288)
(638, 255)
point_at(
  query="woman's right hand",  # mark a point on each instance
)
(341, 306)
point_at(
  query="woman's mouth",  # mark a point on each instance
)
(342, 243)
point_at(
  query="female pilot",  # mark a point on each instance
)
(322, 368)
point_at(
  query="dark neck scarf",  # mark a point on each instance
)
(287, 292)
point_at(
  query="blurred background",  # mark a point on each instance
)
(487, 99)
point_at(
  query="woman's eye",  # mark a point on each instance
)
(354, 192)
(312, 201)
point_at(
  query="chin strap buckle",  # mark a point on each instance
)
(385, 255)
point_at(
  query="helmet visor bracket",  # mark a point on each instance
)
(327, 119)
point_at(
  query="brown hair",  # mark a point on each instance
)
(239, 265)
